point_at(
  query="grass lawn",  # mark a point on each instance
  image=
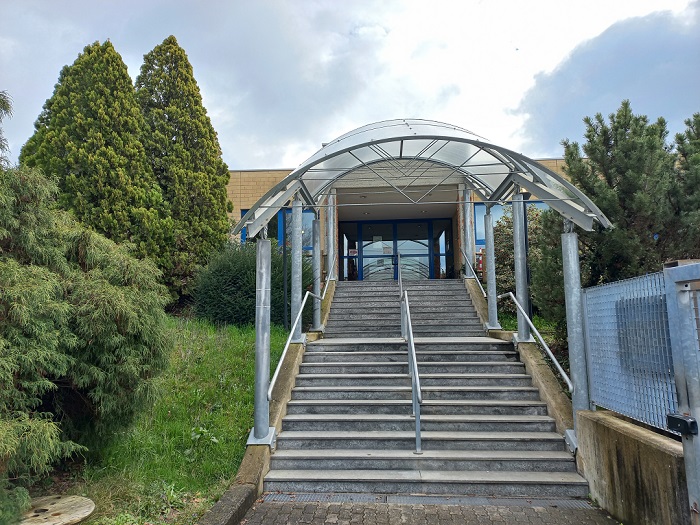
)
(179, 457)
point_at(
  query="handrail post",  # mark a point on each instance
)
(316, 264)
(262, 433)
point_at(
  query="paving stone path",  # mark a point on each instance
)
(355, 513)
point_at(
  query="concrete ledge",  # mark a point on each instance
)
(482, 308)
(551, 392)
(635, 474)
(327, 301)
(558, 403)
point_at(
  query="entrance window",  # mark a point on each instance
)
(348, 251)
(443, 259)
(377, 251)
(368, 250)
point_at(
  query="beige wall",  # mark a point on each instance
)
(245, 187)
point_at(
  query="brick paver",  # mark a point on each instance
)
(288, 513)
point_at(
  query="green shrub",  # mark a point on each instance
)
(82, 332)
(224, 291)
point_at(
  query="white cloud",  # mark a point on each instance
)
(278, 78)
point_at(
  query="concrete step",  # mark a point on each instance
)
(393, 295)
(454, 321)
(363, 315)
(441, 460)
(443, 333)
(482, 483)
(442, 423)
(429, 330)
(405, 380)
(398, 344)
(429, 406)
(452, 356)
(428, 392)
(387, 367)
(430, 440)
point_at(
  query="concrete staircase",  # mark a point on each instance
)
(371, 309)
(349, 427)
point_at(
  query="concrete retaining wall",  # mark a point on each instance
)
(635, 474)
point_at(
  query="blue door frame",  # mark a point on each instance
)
(430, 255)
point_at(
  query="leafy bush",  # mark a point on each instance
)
(81, 331)
(224, 291)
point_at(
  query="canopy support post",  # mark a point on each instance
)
(262, 433)
(316, 264)
(522, 290)
(491, 294)
(297, 248)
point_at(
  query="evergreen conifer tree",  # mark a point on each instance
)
(88, 138)
(5, 111)
(184, 153)
(627, 169)
(688, 200)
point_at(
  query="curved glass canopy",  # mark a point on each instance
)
(407, 153)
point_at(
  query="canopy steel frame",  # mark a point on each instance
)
(437, 144)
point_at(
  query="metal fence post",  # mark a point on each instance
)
(297, 242)
(682, 297)
(574, 319)
(316, 262)
(262, 433)
(492, 298)
(522, 290)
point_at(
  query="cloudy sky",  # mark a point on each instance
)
(279, 77)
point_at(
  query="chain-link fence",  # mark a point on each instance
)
(630, 364)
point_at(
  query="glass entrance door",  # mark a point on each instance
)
(368, 250)
(413, 245)
(378, 248)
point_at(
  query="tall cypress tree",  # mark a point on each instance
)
(88, 138)
(184, 153)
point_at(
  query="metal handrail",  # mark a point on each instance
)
(563, 374)
(476, 278)
(407, 334)
(296, 322)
